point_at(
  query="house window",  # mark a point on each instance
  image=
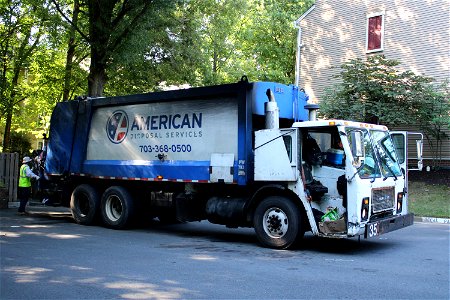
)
(375, 32)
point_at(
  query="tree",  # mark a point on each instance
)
(21, 31)
(435, 117)
(195, 45)
(112, 25)
(267, 40)
(20, 143)
(74, 56)
(171, 55)
(133, 46)
(217, 41)
(220, 23)
(375, 91)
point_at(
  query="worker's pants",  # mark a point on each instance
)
(24, 194)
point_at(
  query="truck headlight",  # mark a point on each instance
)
(365, 209)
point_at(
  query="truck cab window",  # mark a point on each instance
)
(288, 144)
(312, 153)
(332, 153)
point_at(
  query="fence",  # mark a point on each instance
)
(9, 173)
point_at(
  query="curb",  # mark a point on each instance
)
(33, 206)
(432, 220)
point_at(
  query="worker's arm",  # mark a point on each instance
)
(30, 173)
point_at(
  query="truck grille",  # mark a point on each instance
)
(383, 199)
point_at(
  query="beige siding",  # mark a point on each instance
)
(427, 153)
(416, 32)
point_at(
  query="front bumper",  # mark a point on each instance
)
(379, 227)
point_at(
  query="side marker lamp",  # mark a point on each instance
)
(365, 209)
(400, 202)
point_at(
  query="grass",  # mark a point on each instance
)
(429, 200)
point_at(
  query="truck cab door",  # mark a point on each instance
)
(401, 140)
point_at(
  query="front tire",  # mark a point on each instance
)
(277, 222)
(84, 203)
(117, 207)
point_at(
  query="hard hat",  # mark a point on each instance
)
(26, 160)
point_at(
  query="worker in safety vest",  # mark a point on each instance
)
(25, 177)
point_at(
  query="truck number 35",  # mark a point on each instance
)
(373, 229)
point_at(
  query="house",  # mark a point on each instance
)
(416, 33)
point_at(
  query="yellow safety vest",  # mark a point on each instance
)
(24, 181)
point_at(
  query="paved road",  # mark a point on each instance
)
(47, 256)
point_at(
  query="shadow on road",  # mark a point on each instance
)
(211, 233)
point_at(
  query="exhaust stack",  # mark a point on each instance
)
(312, 111)
(272, 112)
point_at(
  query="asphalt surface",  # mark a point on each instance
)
(45, 255)
(37, 206)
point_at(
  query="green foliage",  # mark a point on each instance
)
(375, 91)
(141, 45)
(170, 54)
(204, 42)
(117, 34)
(20, 143)
(435, 117)
(25, 26)
(429, 200)
(268, 40)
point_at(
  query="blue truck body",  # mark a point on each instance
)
(71, 124)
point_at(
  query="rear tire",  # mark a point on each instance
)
(117, 207)
(277, 222)
(84, 203)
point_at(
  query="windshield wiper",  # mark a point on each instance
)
(357, 171)
(392, 172)
(383, 162)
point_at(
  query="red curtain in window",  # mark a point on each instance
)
(374, 33)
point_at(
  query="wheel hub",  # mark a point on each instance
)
(275, 223)
(113, 208)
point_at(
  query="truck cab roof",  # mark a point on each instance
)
(327, 123)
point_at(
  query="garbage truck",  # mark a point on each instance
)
(246, 154)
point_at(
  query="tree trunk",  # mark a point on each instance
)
(10, 107)
(7, 134)
(215, 66)
(97, 71)
(100, 29)
(96, 80)
(70, 51)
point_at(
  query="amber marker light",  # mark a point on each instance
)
(365, 209)
(399, 202)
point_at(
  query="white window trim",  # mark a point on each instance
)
(368, 16)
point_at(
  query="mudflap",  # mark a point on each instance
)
(387, 225)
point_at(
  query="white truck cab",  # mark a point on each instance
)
(349, 168)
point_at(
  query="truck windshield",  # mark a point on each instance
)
(380, 157)
(385, 150)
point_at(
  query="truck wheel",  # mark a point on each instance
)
(277, 222)
(84, 204)
(117, 207)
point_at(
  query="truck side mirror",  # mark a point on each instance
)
(357, 147)
(419, 144)
(357, 144)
